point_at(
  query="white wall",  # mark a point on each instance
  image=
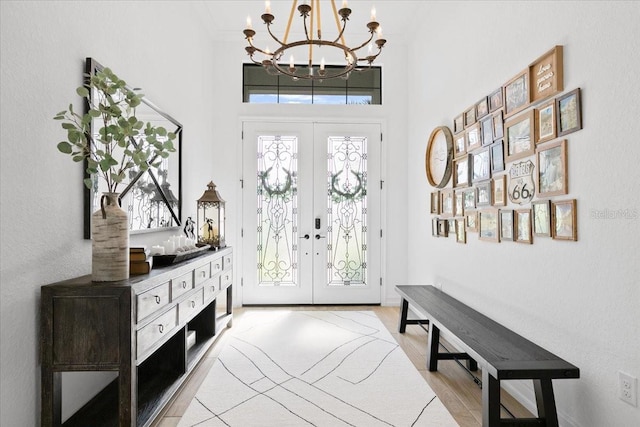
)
(160, 46)
(578, 299)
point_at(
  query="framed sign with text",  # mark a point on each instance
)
(545, 75)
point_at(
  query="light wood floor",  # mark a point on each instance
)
(454, 386)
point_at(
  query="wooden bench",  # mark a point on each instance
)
(502, 354)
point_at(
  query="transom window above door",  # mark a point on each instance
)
(362, 87)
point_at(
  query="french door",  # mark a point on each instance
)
(311, 213)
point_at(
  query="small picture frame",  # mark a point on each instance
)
(545, 118)
(459, 144)
(498, 125)
(435, 203)
(552, 169)
(546, 75)
(506, 225)
(496, 100)
(451, 227)
(484, 194)
(488, 225)
(516, 93)
(482, 108)
(443, 228)
(459, 203)
(497, 156)
(434, 227)
(461, 232)
(522, 226)
(470, 116)
(541, 217)
(564, 220)
(500, 191)
(486, 126)
(458, 124)
(446, 203)
(473, 137)
(462, 171)
(471, 221)
(519, 137)
(469, 198)
(481, 166)
(569, 112)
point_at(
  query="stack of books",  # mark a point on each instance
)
(139, 260)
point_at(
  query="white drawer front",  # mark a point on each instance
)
(152, 300)
(227, 261)
(181, 285)
(216, 266)
(190, 306)
(212, 288)
(156, 330)
(226, 278)
(201, 274)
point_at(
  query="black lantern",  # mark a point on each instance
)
(211, 218)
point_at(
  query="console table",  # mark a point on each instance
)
(143, 328)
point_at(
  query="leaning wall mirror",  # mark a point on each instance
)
(151, 198)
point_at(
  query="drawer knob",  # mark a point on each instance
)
(157, 297)
(193, 304)
(184, 284)
(202, 273)
(161, 328)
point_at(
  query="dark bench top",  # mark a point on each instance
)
(507, 354)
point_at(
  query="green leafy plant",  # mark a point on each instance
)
(117, 141)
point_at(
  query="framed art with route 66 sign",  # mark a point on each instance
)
(521, 183)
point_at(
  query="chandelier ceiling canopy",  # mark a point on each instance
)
(357, 58)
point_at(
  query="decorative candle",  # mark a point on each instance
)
(373, 14)
(267, 6)
(379, 31)
(322, 64)
(344, 4)
(157, 250)
(291, 62)
(248, 23)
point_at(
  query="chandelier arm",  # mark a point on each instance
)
(273, 36)
(341, 32)
(335, 15)
(363, 44)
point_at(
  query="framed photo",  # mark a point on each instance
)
(486, 127)
(446, 203)
(434, 227)
(459, 144)
(470, 116)
(451, 227)
(564, 220)
(516, 93)
(443, 228)
(552, 169)
(473, 137)
(484, 194)
(497, 156)
(498, 125)
(435, 203)
(569, 112)
(482, 108)
(488, 225)
(546, 75)
(506, 225)
(519, 137)
(458, 197)
(496, 100)
(462, 171)
(461, 232)
(469, 198)
(522, 226)
(471, 220)
(545, 117)
(500, 191)
(541, 211)
(458, 124)
(481, 167)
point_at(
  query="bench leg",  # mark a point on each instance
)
(546, 402)
(404, 311)
(490, 400)
(433, 344)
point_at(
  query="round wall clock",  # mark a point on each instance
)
(439, 157)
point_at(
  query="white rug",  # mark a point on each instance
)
(313, 368)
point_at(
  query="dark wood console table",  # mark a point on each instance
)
(503, 354)
(143, 328)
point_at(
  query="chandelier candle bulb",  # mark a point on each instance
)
(249, 23)
(344, 4)
(267, 7)
(373, 14)
(322, 64)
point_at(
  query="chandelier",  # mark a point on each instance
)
(311, 14)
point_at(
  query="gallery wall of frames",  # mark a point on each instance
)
(501, 173)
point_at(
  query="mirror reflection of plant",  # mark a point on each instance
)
(113, 104)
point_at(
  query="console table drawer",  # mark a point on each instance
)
(190, 306)
(201, 274)
(228, 261)
(152, 300)
(212, 288)
(156, 330)
(226, 278)
(216, 266)
(181, 285)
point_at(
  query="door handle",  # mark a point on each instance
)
(306, 236)
(318, 237)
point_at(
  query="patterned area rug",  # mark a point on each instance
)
(313, 368)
